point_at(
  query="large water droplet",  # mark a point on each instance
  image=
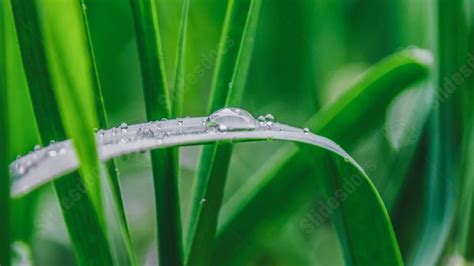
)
(306, 131)
(232, 119)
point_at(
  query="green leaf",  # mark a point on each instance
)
(444, 137)
(102, 118)
(180, 81)
(360, 109)
(337, 170)
(4, 173)
(55, 80)
(366, 234)
(230, 73)
(157, 105)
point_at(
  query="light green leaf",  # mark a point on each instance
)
(53, 85)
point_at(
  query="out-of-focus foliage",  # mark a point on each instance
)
(412, 133)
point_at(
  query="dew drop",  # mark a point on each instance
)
(123, 127)
(37, 147)
(52, 153)
(84, 7)
(306, 131)
(62, 151)
(101, 133)
(231, 85)
(52, 141)
(346, 159)
(21, 170)
(164, 119)
(202, 201)
(222, 128)
(261, 118)
(231, 119)
(269, 118)
(180, 122)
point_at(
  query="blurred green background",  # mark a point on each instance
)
(307, 52)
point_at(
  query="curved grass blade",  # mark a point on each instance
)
(4, 174)
(359, 110)
(157, 104)
(79, 205)
(102, 119)
(191, 131)
(235, 49)
(179, 83)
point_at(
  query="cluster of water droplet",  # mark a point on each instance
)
(221, 121)
(23, 164)
(266, 121)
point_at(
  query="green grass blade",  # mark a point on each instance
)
(157, 104)
(235, 48)
(466, 210)
(368, 97)
(179, 83)
(4, 173)
(212, 174)
(72, 80)
(371, 226)
(102, 117)
(234, 35)
(78, 207)
(363, 243)
(444, 137)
